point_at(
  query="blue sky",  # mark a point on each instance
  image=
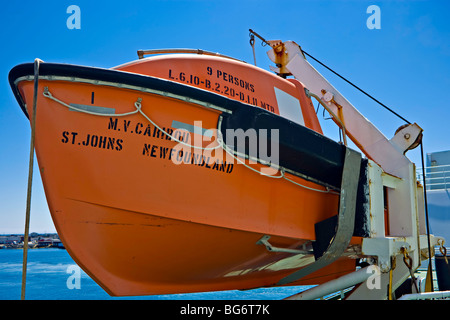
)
(405, 64)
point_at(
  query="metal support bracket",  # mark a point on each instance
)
(265, 241)
(346, 219)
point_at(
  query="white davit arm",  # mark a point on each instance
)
(388, 154)
(403, 229)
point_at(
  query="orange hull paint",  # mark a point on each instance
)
(140, 224)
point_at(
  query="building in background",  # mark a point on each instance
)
(437, 174)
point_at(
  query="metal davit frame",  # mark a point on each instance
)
(401, 234)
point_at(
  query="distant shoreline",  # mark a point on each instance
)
(31, 234)
(31, 248)
(35, 241)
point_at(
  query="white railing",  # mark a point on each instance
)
(436, 177)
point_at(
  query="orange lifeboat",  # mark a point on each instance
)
(148, 190)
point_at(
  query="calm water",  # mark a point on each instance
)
(51, 273)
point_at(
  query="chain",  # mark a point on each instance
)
(409, 262)
(443, 249)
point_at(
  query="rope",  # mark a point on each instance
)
(231, 153)
(220, 141)
(312, 189)
(426, 215)
(30, 179)
(138, 106)
(355, 86)
(282, 172)
(49, 95)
